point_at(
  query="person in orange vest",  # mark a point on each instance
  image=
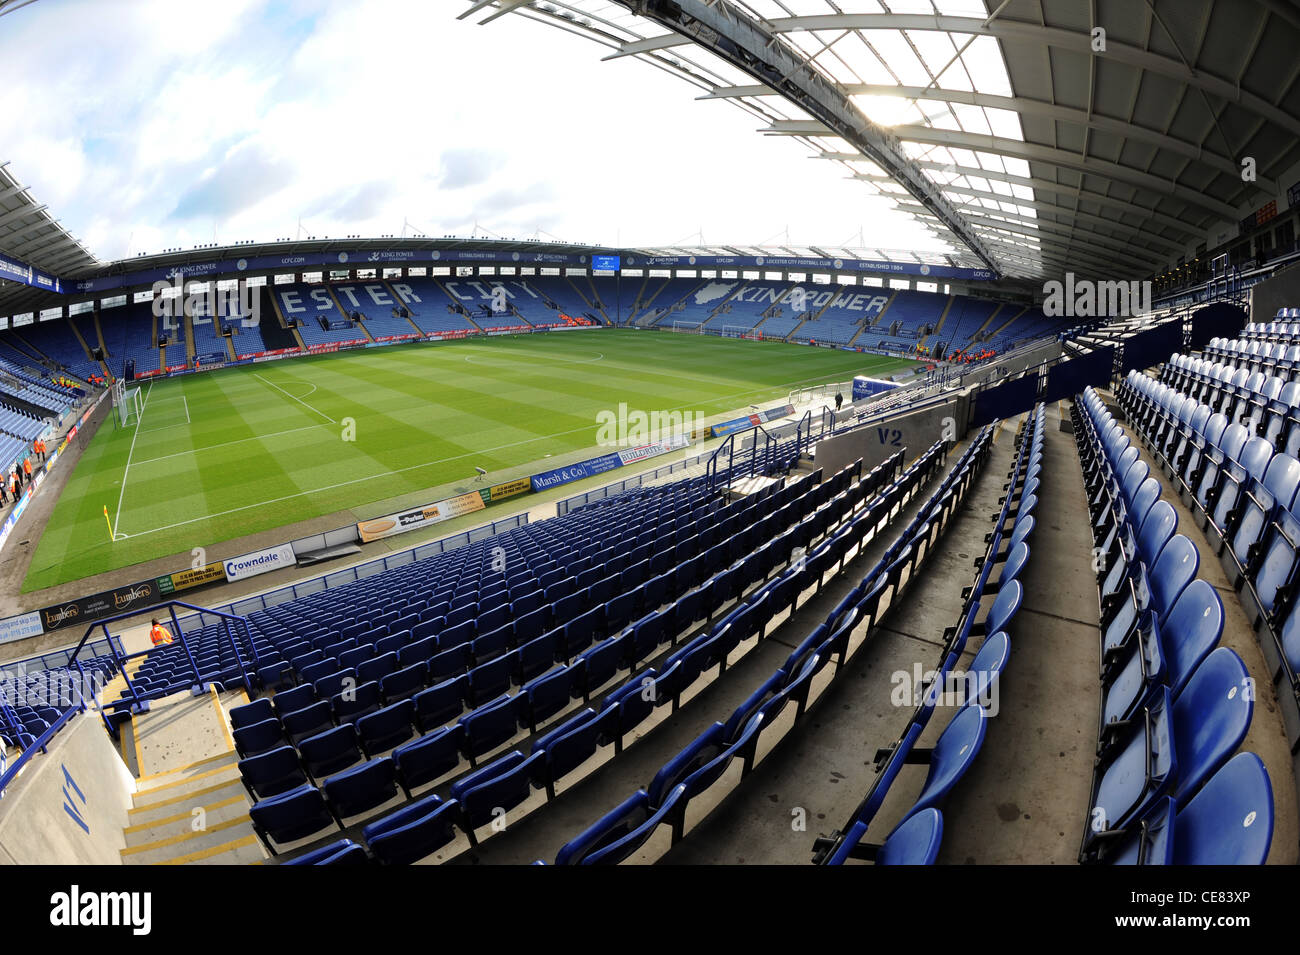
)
(27, 470)
(40, 448)
(158, 633)
(16, 487)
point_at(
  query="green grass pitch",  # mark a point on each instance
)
(251, 448)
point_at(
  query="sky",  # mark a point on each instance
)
(154, 124)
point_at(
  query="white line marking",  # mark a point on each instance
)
(424, 464)
(299, 400)
(226, 444)
(117, 519)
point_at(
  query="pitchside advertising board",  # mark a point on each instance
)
(187, 579)
(391, 524)
(85, 609)
(606, 462)
(259, 562)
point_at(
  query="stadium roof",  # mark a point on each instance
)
(1008, 126)
(30, 234)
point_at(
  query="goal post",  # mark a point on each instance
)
(130, 404)
(739, 331)
(689, 328)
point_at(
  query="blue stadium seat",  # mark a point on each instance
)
(251, 713)
(272, 772)
(331, 751)
(343, 852)
(384, 729)
(952, 755)
(494, 789)
(258, 738)
(290, 816)
(430, 757)
(413, 832)
(362, 788)
(618, 834)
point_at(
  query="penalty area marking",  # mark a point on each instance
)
(296, 398)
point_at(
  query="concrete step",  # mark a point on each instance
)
(185, 802)
(192, 770)
(189, 843)
(181, 729)
(184, 820)
(191, 788)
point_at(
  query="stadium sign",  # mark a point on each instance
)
(576, 472)
(186, 579)
(21, 627)
(15, 271)
(108, 603)
(380, 527)
(498, 492)
(260, 562)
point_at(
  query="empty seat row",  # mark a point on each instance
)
(1174, 707)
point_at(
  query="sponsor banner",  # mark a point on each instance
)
(576, 472)
(498, 492)
(653, 450)
(84, 609)
(16, 271)
(395, 338)
(736, 424)
(21, 627)
(452, 333)
(797, 262)
(260, 562)
(185, 579)
(775, 414)
(605, 263)
(391, 524)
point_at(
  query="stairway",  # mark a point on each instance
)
(270, 331)
(401, 301)
(191, 807)
(188, 328)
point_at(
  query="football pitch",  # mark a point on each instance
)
(245, 449)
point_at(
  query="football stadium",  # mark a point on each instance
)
(569, 472)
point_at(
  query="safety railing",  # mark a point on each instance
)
(230, 623)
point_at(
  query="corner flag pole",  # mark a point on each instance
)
(109, 523)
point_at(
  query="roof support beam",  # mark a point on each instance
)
(1022, 31)
(749, 45)
(1001, 146)
(1028, 107)
(1049, 208)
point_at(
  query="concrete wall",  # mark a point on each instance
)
(874, 443)
(36, 829)
(1281, 291)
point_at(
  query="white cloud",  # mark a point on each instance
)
(149, 124)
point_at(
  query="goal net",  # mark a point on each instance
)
(129, 404)
(739, 331)
(694, 328)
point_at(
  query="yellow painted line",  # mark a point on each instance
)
(135, 738)
(184, 796)
(181, 769)
(215, 850)
(221, 719)
(140, 827)
(183, 837)
(181, 782)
